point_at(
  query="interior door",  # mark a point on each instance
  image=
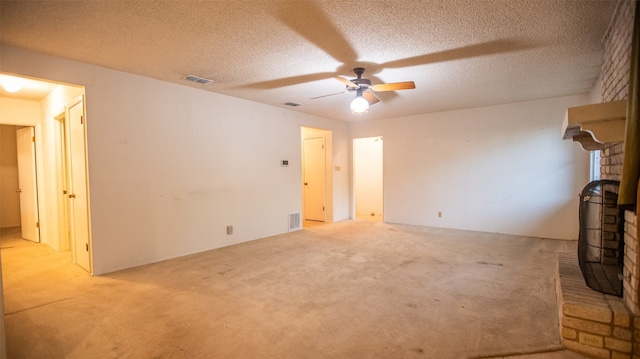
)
(78, 202)
(314, 178)
(25, 141)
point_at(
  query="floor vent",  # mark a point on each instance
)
(294, 221)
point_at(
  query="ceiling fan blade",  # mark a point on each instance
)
(311, 22)
(287, 81)
(465, 52)
(395, 86)
(346, 82)
(370, 97)
(333, 94)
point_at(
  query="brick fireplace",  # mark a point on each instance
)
(604, 326)
(615, 86)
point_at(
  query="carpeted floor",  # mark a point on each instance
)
(354, 289)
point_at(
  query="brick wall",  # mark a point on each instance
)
(611, 161)
(614, 77)
(617, 53)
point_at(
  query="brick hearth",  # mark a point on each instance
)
(592, 323)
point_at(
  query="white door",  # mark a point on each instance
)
(78, 203)
(314, 178)
(27, 181)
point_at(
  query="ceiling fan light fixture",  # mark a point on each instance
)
(359, 105)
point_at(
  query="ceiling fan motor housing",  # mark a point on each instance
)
(363, 84)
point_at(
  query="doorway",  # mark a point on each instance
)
(57, 112)
(368, 178)
(317, 179)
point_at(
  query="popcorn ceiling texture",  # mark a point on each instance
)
(460, 54)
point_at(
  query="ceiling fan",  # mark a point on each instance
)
(310, 21)
(364, 89)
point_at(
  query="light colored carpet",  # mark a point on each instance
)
(354, 289)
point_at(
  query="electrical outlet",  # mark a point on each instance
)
(229, 229)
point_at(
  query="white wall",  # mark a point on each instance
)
(502, 169)
(171, 166)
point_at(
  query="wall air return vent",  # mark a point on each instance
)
(295, 222)
(197, 79)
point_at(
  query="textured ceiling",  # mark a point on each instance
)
(460, 54)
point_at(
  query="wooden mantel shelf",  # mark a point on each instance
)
(594, 125)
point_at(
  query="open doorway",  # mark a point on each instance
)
(317, 179)
(368, 178)
(51, 118)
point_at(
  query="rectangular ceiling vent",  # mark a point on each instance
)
(197, 79)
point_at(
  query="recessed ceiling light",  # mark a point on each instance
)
(11, 84)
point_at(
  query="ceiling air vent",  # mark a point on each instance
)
(197, 79)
